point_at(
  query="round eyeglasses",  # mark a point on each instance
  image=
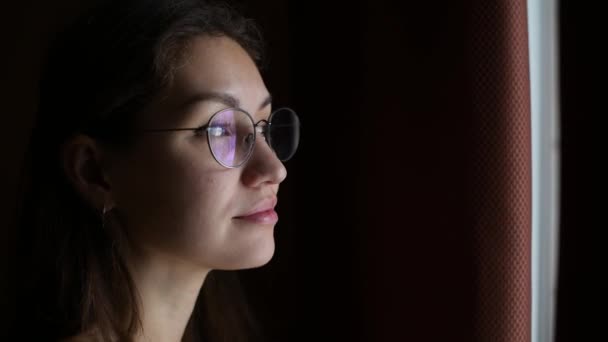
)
(231, 134)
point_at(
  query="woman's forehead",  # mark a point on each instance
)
(211, 69)
(219, 65)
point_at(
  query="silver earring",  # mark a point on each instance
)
(103, 216)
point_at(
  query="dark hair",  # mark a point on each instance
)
(100, 74)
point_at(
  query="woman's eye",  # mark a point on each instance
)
(220, 131)
(200, 132)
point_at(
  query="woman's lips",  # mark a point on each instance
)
(263, 217)
(262, 213)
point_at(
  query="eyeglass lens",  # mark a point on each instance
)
(231, 135)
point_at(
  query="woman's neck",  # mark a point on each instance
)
(168, 289)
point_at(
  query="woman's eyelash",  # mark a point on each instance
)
(200, 131)
(220, 130)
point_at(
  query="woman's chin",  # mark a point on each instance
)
(258, 256)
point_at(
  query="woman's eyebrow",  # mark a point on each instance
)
(267, 101)
(224, 98)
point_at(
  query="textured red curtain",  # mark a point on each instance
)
(501, 170)
(447, 231)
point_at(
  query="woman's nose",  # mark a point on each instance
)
(264, 166)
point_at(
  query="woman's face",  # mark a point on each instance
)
(173, 196)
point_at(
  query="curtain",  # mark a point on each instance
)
(501, 170)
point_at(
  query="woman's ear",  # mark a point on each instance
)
(82, 159)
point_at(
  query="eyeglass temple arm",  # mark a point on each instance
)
(173, 129)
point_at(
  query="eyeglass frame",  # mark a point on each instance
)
(263, 131)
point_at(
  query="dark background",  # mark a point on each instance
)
(581, 295)
(371, 245)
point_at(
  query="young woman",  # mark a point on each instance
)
(154, 163)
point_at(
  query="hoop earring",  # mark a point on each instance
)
(103, 216)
